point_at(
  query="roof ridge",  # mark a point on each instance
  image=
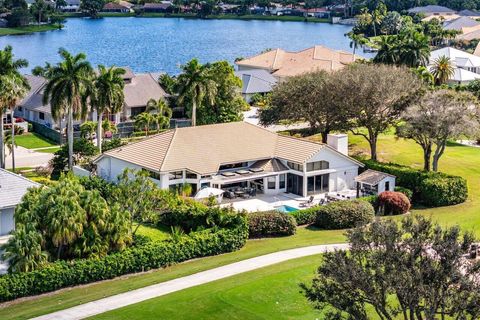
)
(135, 142)
(168, 149)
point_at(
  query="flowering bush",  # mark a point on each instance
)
(393, 203)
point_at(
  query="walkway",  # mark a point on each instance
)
(28, 158)
(164, 288)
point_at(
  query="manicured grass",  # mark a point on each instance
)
(35, 306)
(27, 29)
(154, 233)
(267, 293)
(33, 140)
(49, 150)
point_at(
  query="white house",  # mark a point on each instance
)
(372, 182)
(466, 65)
(12, 188)
(237, 154)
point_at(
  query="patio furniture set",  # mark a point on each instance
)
(239, 192)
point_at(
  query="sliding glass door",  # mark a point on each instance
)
(318, 184)
(295, 184)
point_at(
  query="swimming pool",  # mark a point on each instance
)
(286, 209)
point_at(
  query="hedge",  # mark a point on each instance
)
(270, 223)
(407, 192)
(306, 216)
(432, 189)
(344, 214)
(151, 255)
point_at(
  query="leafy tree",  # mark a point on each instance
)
(69, 81)
(39, 9)
(412, 270)
(9, 73)
(83, 151)
(392, 23)
(87, 129)
(195, 85)
(161, 113)
(436, 118)
(297, 99)
(19, 17)
(425, 75)
(167, 82)
(107, 95)
(409, 48)
(356, 40)
(92, 7)
(136, 194)
(58, 20)
(374, 97)
(442, 70)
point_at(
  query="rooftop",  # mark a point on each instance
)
(431, 9)
(256, 80)
(458, 57)
(186, 148)
(12, 188)
(461, 23)
(372, 177)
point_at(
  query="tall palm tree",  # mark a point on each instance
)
(388, 50)
(8, 67)
(356, 41)
(442, 70)
(161, 112)
(195, 84)
(69, 81)
(13, 88)
(414, 49)
(144, 120)
(107, 95)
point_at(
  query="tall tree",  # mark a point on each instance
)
(195, 84)
(442, 70)
(69, 81)
(374, 96)
(161, 112)
(436, 118)
(144, 121)
(92, 7)
(356, 41)
(107, 95)
(9, 67)
(414, 270)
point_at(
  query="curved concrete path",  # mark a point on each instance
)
(131, 297)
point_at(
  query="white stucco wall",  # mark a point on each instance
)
(7, 223)
(381, 185)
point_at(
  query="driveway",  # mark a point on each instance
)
(135, 296)
(28, 158)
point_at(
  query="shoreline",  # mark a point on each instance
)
(27, 30)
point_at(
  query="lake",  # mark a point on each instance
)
(163, 44)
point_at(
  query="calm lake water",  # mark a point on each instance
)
(156, 44)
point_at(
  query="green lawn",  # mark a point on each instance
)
(32, 140)
(27, 29)
(62, 299)
(154, 233)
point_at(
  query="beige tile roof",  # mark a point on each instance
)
(203, 149)
(283, 63)
(142, 88)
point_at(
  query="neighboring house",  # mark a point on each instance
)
(474, 14)
(283, 64)
(466, 65)
(71, 6)
(432, 10)
(118, 7)
(226, 8)
(318, 12)
(157, 7)
(255, 81)
(31, 108)
(12, 189)
(462, 24)
(371, 182)
(237, 154)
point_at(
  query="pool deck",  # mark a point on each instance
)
(264, 202)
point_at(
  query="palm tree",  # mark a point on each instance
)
(8, 68)
(68, 84)
(107, 95)
(195, 84)
(12, 89)
(162, 113)
(143, 120)
(356, 41)
(388, 50)
(414, 49)
(442, 70)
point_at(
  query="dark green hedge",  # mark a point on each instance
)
(152, 255)
(431, 189)
(344, 214)
(407, 192)
(270, 223)
(306, 216)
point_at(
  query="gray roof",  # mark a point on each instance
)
(461, 22)
(469, 13)
(12, 188)
(372, 177)
(72, 2)
(142, 88)
(431, 9)
(256, 81)
(33, 99)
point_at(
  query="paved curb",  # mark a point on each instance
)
(135, 296)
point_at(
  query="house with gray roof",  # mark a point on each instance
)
(255, 81)
(372, 182)
(474, 14)
(12, 189)
(432, 10)
(461, 24)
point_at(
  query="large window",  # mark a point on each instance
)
(271, 183)
(282, 181)
(175, 175)
(41, 116)
(190, 175)
(318, 184)
(318, 165)
(295, 166)
(295, 184)
(233, 165)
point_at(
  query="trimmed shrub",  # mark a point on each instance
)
(432, 189)
(373, 200)
(443, 191)
(151, 255)
(405, 191)
(344, 214)
(270, 223)
(306, 216)
(393, 203)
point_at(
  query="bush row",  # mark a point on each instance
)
(344, 214)
(270, 223)
(151, 255)
(306, 216)
(433, 189)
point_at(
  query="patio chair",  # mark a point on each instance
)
(307, 203)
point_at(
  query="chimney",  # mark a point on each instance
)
(339, 142)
